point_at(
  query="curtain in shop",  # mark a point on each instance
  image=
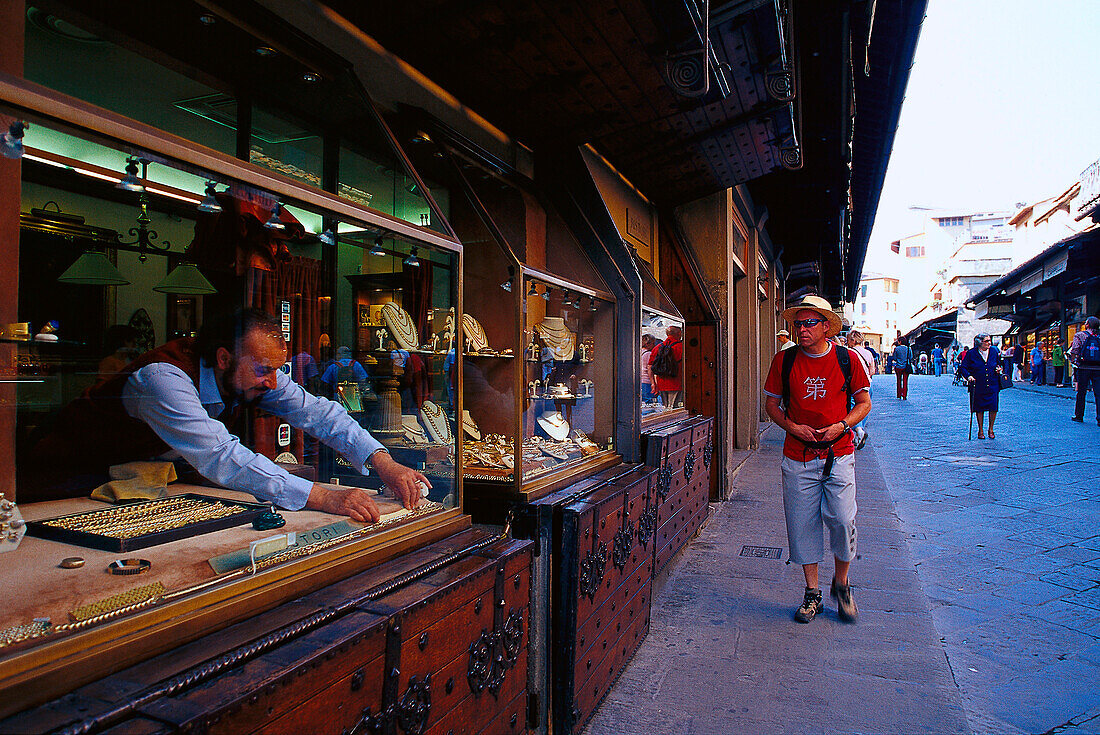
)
(296, 280)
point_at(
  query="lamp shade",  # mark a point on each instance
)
(93, 269)
(185, 279)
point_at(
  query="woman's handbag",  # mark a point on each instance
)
(1006, 382)
(911, 366)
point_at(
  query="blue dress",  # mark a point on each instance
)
(987, 386)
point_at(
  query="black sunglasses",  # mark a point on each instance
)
(799, 323)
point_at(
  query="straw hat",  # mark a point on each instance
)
(822, 307)
(782, 333)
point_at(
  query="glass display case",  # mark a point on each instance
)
(537, 335)
(125, 248)
(661, 394)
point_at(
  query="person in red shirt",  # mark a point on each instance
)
(670, 387)
(819, 487)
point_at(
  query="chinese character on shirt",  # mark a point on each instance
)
(815, 388)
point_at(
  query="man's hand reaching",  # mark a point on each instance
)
(403, 481)
(354, 502)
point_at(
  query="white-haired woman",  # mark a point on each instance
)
(982, 370)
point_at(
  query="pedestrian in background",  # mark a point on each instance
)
(982, 370)
(785, 341)
(1084, 353)
(938, 360)
(903, 365)
(1058, 359)
(819, 477)
(1038, 365)
(648, 343)
(922, 362)
(1018, 356)
(855, 337)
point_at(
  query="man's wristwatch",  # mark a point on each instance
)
(845, 424)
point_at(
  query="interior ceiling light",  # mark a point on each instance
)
(310, 77)
(207, 19)
(591, 304)
(93, 269)
(210, 201)
(131, 182)
(412, 261)
(328, 237)
(11, 142)
(273, 222)
(186, 280)
(546, 293)
(264, 51)
(377, 249)
(507, 285)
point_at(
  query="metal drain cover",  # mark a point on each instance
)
(761, 552)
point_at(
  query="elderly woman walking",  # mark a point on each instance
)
(982, 370)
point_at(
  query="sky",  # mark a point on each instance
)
(1002, 106)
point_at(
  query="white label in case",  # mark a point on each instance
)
(284, 435)
(284, 307)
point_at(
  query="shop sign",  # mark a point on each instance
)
(1057, 266)
(1088, 198)
(1032, 281)
(997, 310)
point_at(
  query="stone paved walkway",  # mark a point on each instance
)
(725, 656)
(978, 585)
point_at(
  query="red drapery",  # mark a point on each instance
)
(298, 281)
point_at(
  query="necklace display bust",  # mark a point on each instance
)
(557, 337)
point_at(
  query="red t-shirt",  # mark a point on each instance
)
(817, 397)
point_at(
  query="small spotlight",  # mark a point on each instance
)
(311, 77)
(130, 182)
(533, 291)
(207, 19)
(546, 293)
(377, 249)
(591, 304)
(210, 201)
(11, 142)
(507, 285)
(411, 261)
(273, 222)
(328, 237)
(265, 51)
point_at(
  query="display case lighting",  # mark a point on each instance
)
(412, 260)
(210, 201)
(131, 182)
(274, 222)
(378, 249)
(11, 142)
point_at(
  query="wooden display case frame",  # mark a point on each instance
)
(36, 671)
(522, 275)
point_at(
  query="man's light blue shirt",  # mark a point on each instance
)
(164, 397)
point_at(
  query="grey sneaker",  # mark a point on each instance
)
(845, 605)
(810, 607)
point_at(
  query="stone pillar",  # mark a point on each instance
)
(747, 337)
(705, 224)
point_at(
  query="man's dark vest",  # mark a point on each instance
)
(94, 431)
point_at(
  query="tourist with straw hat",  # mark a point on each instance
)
(808, 390)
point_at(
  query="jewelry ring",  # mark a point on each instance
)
(129, 566)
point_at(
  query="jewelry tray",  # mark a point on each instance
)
(245, 513)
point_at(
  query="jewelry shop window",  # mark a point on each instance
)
(124, 254)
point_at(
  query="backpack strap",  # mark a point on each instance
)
(845, 359)
(788, 365)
